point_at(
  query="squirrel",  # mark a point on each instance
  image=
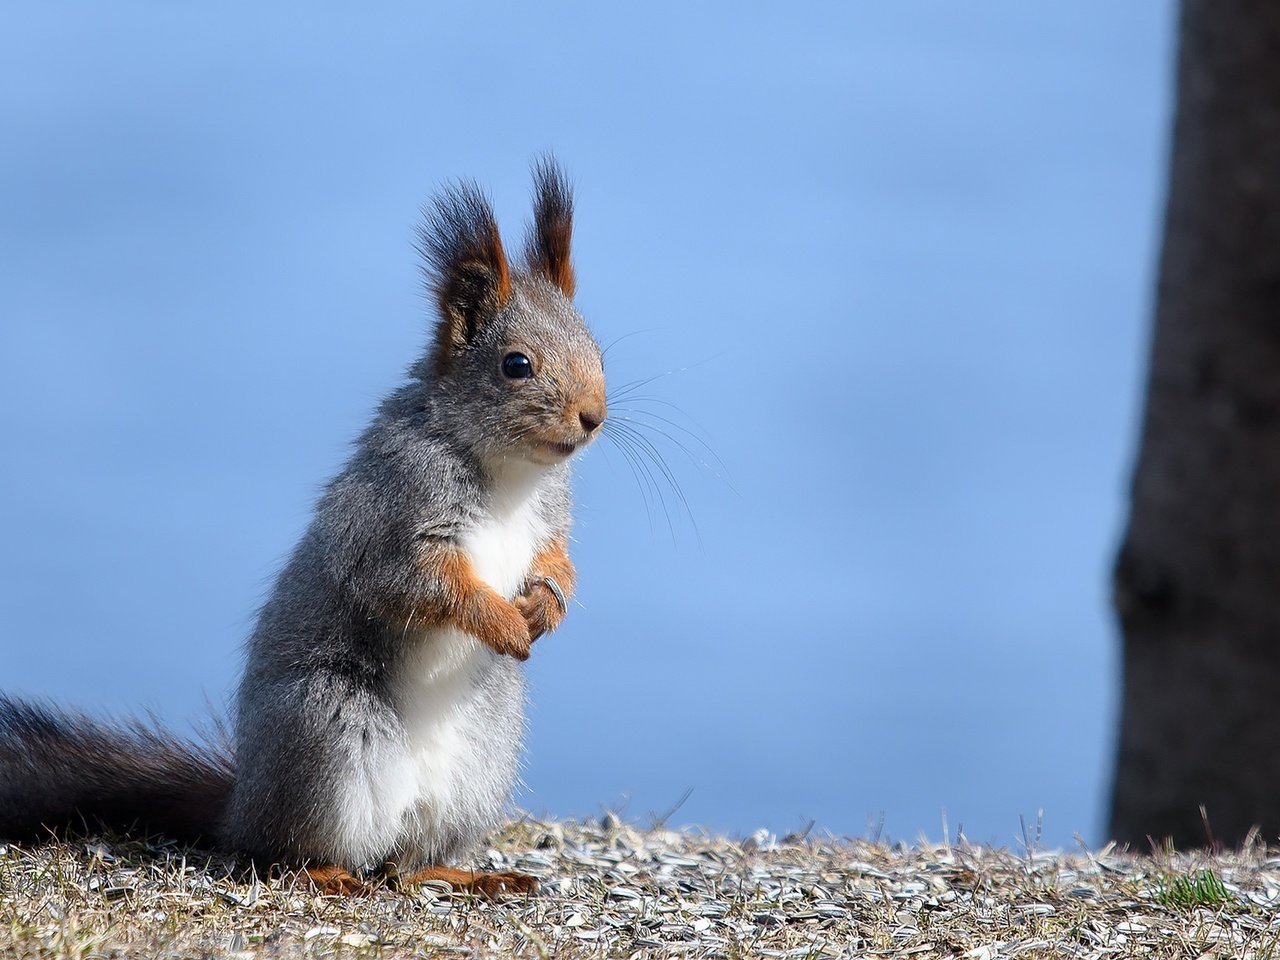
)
(379, 721)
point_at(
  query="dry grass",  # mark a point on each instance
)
(609, 890)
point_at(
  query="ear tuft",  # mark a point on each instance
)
(464, 264)
(547, 250)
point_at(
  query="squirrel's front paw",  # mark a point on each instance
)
(540, 608)
(503, 628)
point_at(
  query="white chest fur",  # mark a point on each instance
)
(503, 544)
(461, 704)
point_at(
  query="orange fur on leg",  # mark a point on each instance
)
(472, 605)
(471, 881)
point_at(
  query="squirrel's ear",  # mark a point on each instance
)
(464, 264)
(547, 249)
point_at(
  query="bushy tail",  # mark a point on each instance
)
(60, 769)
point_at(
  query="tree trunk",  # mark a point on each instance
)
(1198, 575)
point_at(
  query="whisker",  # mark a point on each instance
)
(604, 452)
(639, 477)
(645, 446)
(626, 336)
(666, 403)
(623, 391)
(649, 452)
(722, 474)
(640, 462)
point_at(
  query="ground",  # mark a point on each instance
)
(609, 889)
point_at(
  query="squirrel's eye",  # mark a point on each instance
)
(516, 366)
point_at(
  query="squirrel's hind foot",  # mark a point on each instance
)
(336, 881)
(491, 885)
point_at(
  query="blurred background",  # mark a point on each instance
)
(891, 262)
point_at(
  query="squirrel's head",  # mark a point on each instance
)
(512, 358)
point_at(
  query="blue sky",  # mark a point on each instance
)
(892, 262)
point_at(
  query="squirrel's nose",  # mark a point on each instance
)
(590, 419)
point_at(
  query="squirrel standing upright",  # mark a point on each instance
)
(381, 713)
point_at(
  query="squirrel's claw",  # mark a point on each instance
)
(540, 609)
